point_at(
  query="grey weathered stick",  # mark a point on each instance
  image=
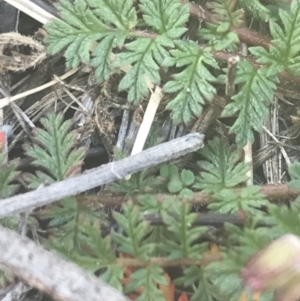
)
(102, 175)
(123, 130)
(39, 268)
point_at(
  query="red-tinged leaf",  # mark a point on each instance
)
(139, 290)
(74, 169)
(242, 214)
(132, 296)
(126, 280)
(127, 270)
(127, 275)
(2, 141)
(168, 291)
(183, 297)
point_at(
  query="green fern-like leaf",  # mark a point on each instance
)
(98, 255)
(179, 222)
(250, 201)
(193, 84)
(197, 278)
(144, 54)
(167, 17)
(284, 220)
(98, 250)
(275, 8)
(158, 234)
(119, 13)
(219, 37)
(68, 223)
(251, 101)
(54, 151)
(7, 174)
(294, 172)
(114, 275)
(131, 241)
(148, 278)
(256, 9)
(142, 182)
(79, 29)
(100, 247)
(225, 276)
(247, 241)
(284, 51)
(222, 169)
(91, 26)
(225, 10)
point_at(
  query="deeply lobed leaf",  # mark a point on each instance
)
(8, 173)
(222, 169)
(249, 201)
(148, 278)
(252, 101)
(179, 222)
(284, 50)
(166, 16)
(135, 232)
(226, 12)
(193, 85)
(54, 151)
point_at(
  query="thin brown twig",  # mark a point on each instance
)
(164, 262)
(272, 192)
(230, 77)
(224, 56)
(252, 38)
(246, 35)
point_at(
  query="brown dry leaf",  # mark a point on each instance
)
(132, 296)
(127, 278)
(212, 254)
(168, 291)
(127, 270)
(213, 249)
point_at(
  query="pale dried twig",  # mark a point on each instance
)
(7, 100)
(150, 112)
(148, 118)
(102, 175)
(283, 151)
(47, 272)
(32, 10)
